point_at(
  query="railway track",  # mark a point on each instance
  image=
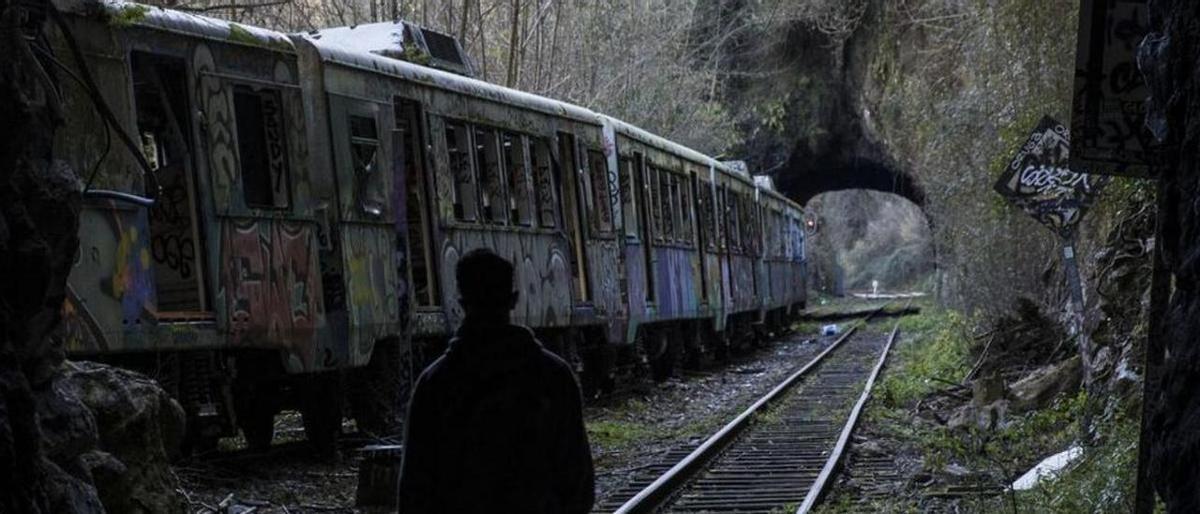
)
(780, 453)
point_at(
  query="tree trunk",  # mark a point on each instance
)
(513, 43)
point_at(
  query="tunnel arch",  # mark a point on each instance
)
(804, 176)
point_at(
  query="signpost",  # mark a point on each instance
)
(1040, 181)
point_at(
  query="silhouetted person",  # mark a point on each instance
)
(496, 423)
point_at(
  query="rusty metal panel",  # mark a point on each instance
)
(269, 286)
(606, 271)
(635, 274)
(372, 289)
(111, 285)
(676, 270)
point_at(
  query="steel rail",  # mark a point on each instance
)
(818, 487)
(658, 492)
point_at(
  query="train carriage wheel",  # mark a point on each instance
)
(381, 389)
(321, 412)
(255, 406)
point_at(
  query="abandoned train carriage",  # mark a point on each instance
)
(312, 200)
(249, 269)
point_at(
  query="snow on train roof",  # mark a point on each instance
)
(352, 52)
(378, 38)
(662, 143)
(119, 12)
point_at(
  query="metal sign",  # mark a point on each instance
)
(1040, 181)
(1110, 92)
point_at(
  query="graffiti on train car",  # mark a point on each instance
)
(678, 290)
(372, 288)
(542, 275)
(269, 284)
(114, 278)
(607, 272)
(131, 281)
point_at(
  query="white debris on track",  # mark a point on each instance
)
(1048, 468)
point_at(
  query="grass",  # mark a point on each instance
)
(937, 345)
(939, 349)
(1103, 480)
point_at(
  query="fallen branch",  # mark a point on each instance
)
(979, 363)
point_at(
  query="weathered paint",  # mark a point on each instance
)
(269, 285)
(372, 287)
(112, 284)
(542, 274)
(321, 281)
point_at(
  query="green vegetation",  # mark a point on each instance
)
(617, 433)
(415, 55)
(127, 15)
(1102, 481)
(938, 351)
(239, 34)
(937, 348)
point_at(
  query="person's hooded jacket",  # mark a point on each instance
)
(496, 425)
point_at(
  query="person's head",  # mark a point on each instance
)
(485, 285)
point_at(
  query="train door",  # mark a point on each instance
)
(409, 143)
(176, 246)
(642, 183)
(366, 222)
(572, 209)
(698, 206)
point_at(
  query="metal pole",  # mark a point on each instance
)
(1074, 284)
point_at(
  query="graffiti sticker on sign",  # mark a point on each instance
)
(1039, 180)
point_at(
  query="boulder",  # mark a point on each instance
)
(140, 426)
(986, 390)
(1038, 388)
(987, 417)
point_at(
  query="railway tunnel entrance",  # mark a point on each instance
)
(868, 224)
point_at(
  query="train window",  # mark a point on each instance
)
(519, 185)
(420, 263)
(735, 222)
(655, 202)
(704, 213)
(720, 217)
(370, 191)
(628, 208)
(685, 210)
(262, 151)
(487, 160)
(543, 185)
(666, 198)
(458, 149)
(602, 222)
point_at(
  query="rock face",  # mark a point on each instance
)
(39, 219)
(60, 426)
(1175, 425)
(140, 427)
(1037, 389)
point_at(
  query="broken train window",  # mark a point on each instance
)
(370, 189)
(262, 148)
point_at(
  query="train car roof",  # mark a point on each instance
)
(345, 53)
(355, 52)
(643, 136)
(119, 13)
